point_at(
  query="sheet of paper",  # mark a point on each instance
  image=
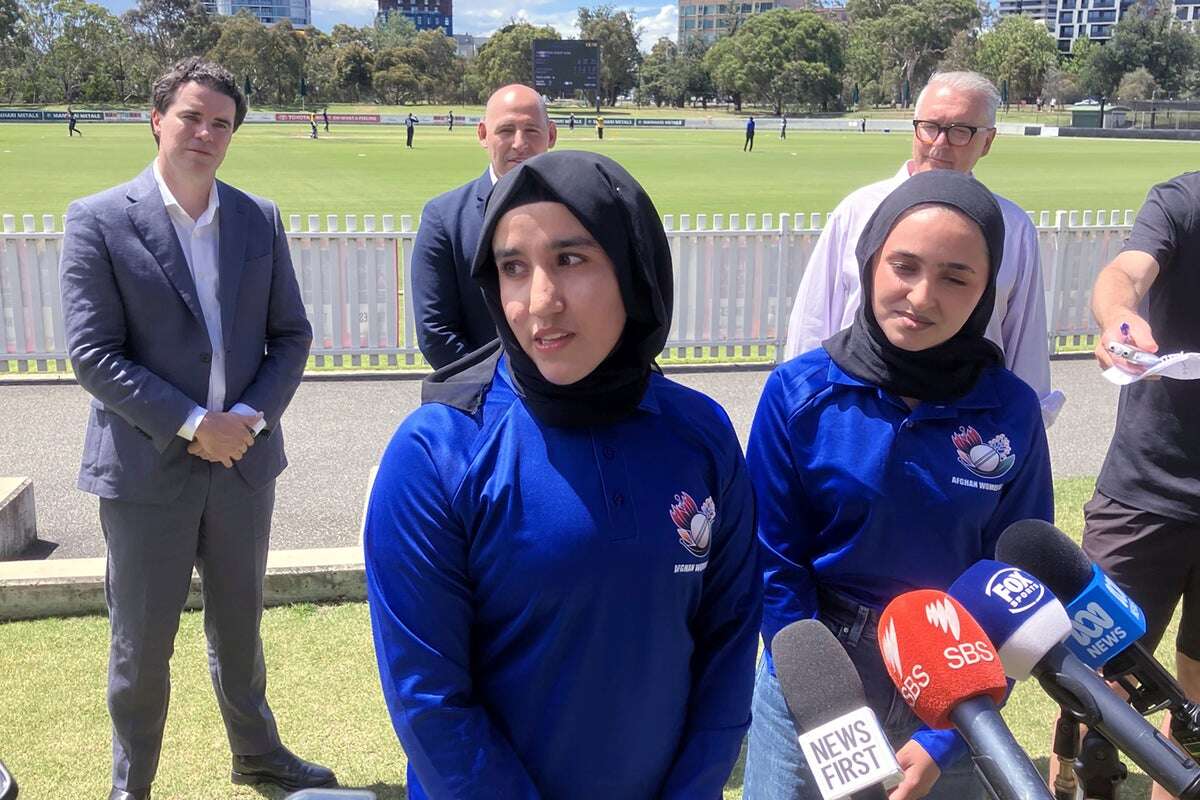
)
(1180, 366)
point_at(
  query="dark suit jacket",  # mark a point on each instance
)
(139, 345)
(451, 318)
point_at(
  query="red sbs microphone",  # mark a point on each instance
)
(937, 655)
(947, 670)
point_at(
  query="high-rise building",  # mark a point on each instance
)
(711, 19)
(468, 45)
(1188, 11)
(1087, 19)
(1069, 20)
(1040, 10)
(267, 12)
(427, 15)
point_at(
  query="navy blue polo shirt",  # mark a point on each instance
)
(861, 494)
(565, 612)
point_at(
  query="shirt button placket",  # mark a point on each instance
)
(614, 478)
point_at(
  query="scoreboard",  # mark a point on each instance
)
(565, 66)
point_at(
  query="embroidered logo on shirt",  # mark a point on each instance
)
(694, 525)
(989, 459)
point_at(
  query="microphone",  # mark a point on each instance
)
(1106, 623)
(846, 750)
(947, 670)
(1032, 622)
(1020, 615)
(1105, 620)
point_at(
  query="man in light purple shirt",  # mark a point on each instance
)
(953, 127)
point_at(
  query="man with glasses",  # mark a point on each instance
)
(954, 126)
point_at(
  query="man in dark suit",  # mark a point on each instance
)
(185, 324)
(451, 317)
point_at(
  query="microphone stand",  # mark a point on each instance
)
(1066, 750)
(1091, 769)
(1099, 768)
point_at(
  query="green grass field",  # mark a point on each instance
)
(324, 689)
(367, 170)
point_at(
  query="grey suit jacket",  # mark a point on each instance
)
(139, 345)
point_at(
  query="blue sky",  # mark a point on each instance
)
(482, 17)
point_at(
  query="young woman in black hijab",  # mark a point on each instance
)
(560, 550)
(891, 459)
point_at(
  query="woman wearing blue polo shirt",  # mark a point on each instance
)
(891, 459)
(560, 552)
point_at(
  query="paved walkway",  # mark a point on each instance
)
(336, 431)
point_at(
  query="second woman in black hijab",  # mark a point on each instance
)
(891, 459)
(560, 553)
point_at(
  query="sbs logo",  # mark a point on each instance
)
(891, 650)
(941, 614)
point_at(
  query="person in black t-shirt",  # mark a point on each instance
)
(1142, 526)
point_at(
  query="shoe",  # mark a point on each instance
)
(126, 794)
(282, 768)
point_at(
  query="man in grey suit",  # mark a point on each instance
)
(185, 324)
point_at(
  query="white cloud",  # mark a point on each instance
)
(664, 23)
(335, 6)
(485, 17)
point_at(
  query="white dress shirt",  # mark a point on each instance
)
(200, 241)
(830, 291)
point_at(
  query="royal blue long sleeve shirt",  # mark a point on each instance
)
(865, 496)
(565, 612)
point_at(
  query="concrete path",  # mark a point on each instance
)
(336, 430)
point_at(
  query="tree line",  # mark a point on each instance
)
(54, 51)
(798, 60)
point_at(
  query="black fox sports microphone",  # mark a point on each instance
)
(1106, 623)
(947, 671)
(846, 750)
(1041, 549)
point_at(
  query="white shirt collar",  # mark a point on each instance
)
(906, 171)
(173, 205)
(492, 173)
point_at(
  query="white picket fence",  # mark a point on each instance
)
(735, 277)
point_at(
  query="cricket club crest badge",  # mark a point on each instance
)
(990, 459)
(694, 525)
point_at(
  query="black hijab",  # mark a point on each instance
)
(948, 370)
(619, 215)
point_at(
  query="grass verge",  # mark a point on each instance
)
(324, 689)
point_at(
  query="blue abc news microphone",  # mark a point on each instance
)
(1028, 624)
(1106, 623)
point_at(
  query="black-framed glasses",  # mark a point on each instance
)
(956, 134)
